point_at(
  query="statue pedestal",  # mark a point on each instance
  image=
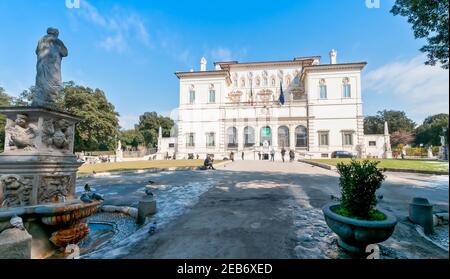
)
(38, 165)
(387, 155)
(38, 172)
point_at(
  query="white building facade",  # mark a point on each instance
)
(253, 108)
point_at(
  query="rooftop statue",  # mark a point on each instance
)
(50, 51)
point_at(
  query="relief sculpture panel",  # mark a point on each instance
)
(15, 190)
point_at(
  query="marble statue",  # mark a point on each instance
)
(430, 152)
(50, 51)
(21, 133)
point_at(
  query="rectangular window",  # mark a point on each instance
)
(323, 92)
(323, 139)
(190, 140)
(348, 138)
(210, 140)
(171, 145)
(212, 96)
(191, 97)
(372, 143)
(324, 155)
(347, 91)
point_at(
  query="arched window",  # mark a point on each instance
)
(212, 94)
(283, 136)
(249, 136)
(265, 81)
(191, 94)
(346, 88)
(258, 82)
(232, 137)
(301, 136)
(243, 82)
(288, 80)
(266, 136)
(272, 81)
(322, 89)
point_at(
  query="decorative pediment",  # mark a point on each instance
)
(235, 96)
(265, 95)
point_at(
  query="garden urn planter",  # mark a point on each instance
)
(354, 234)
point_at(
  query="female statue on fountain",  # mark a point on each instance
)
(50, 51)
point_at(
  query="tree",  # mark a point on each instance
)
(149, 124)
(373, 125)
(100, 125)
(429, 19)
(397, 121)
(5, 101)
(131, 137)
(430, 132)
(402, 137)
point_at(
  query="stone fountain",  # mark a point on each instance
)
(38, 167)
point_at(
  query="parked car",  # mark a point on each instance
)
(342, 154)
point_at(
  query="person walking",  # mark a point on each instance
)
(243, 154)
(291, 156)
(283, 152)
(259, 155)
(272, 155)
(232, 156)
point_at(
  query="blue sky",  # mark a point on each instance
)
(131, 49)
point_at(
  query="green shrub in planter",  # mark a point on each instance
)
(359, 182)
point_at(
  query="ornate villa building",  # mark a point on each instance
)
(301, 105)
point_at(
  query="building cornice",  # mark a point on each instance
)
(218, 73)
(332, 67)
(296, 61)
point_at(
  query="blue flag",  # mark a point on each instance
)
(281, 99)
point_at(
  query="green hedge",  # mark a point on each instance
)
(418, 151)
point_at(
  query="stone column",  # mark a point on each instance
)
(292, 136)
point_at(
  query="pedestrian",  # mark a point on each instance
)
(403, 153)
(283, 152)
(272, 155)
(243, 154)
(259, 155)
(232, 156)
(291, 155)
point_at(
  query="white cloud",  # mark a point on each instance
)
(119, 28)
(226, 54)
(114, 43)
(423, 90)
(221, 54)
(127, 122)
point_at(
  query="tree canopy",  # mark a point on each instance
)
(397, 121)
(429, 19)
(149, 124)
(131, 137)
(433, 127)
(100, 125)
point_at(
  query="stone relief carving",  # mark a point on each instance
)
(57, 133)
(15, 190)
(235, 97)
(21, 133)
(54, 189)
(265, 95)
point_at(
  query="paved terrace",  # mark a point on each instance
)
(260, 209)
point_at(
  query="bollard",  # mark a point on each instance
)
(147, 206)
(421, 212)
